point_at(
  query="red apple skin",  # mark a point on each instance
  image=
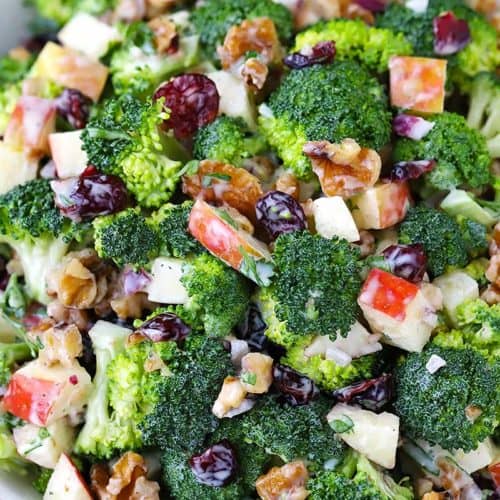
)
(30, 124)
(387, 294)
(397, 199)
(31, 399)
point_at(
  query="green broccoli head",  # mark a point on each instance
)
(61, 11)
(474, 236)
(484, 114)
(439, 234)
(126, 238)
(228, 140)
(354, 39)
(171, 223)
(460, 152)
(183, 417)
(481, 54)
(138, 68)
(357, 479)
(218, 294)
(123, 138)
(455, 407)
(293, 432)
(213, 19)
(10, 355)
(325, 102)
(312, 274)
(42, 480)
(32, 225)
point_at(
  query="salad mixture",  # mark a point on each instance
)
(251, 249)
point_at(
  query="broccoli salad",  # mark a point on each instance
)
(251, 249)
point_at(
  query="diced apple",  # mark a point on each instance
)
(30, 124)
(44, 445)
(373, 435)
(333, 218)
(235, 99)
(66, 482)
(67, 153)
(88, 35)
(42, 394)
(15, 168)
(381, 206)
(71, 69)
(220, 234)
(456, 287)
(418, 83)
(165, 286)
(398, 309)
(476, 459)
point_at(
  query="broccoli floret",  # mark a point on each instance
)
(439, 234)
(474, 236)
(33, 227)
(171, 223)
(9, 95)
(216, 293)
(438, 407)
(42, 480)
(137, 67)
(460, 152)
(354, 39)
(325, 102)
(358, 480)
(484, 114)
(227, 139)
(183, 416)
(126, 238)
(213, 18)
(476, 269)
(481, 54)
(10, 354)
(316, 284)
(293, 432)
(124, 139)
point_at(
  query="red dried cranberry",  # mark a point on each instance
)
(216, 466)
(372, 5)
(413, 127)
(74, 107)
(165, 327)
(192, 100)
(406, 170)
(321, 53)
(372, 394)
(407, 261)
(252, 329)
(135, 281)
(89, 196)
(296, 389)
(450, 34)
(278, 213)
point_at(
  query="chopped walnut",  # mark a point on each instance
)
(494, 247)
(472, 413)
(61, 344)
(61, 314)
(355, 11)
(254, 73)
(491, 295)
(311, 11)
(131, 306)
(288, 481)
(256, 372)
(145, 490)
(252, 35)
(366, 244)
(433, 495)
(231, 396)
(165, 34)
(155, 8)
(288, 183)
(343, 169)
(493, 272)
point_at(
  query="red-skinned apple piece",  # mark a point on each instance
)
(66, 482)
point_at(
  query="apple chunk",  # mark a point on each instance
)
(398, 309)
(42, 394)
(67, 153)
(66, 482)
(15, 168)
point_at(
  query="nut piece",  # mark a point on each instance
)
(252, 35)
(254, 73)
(165, 34)
(343, 169)
(231, 396)
(61, 314)
(288, 183)
(366, 243)
(131, 306)
(155, 8)
(256, 372)
(61, 344)
(287, 482)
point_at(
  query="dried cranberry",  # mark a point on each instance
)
(409, 170)
(278, 213)
(135, 281)
(372, 394)
(372, 5)
(296, 389)
(407, 261)
(4, 274)
(413, 127)
(165, 327)
(74, 107)
(321, 53)
(450, 34)
(89, 196)
(216, 466)
(252, 329)
(192, 101)
(87, 358)
(37, 42)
